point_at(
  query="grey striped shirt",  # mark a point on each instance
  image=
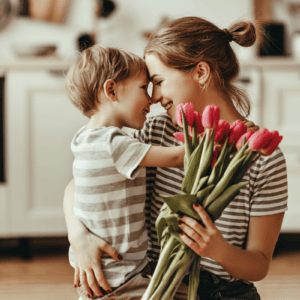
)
(110, 190)
(265, 194)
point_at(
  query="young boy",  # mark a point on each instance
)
(110, 86)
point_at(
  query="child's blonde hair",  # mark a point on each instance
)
(96, 65)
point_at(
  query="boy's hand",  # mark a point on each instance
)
(251, 125)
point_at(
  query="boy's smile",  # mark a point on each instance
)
(134, 101)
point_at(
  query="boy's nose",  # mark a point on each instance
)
(156, 97)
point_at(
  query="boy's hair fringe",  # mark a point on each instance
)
(86, 77)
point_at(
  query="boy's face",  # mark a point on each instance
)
(134, 101)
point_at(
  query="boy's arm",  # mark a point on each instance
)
(164, 157)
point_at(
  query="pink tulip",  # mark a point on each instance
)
(259, 139)
(237, 129)
(273, 143)
(198, 120)
(222, 131)
(179, 136)
(211, 116)
(188, 110)
(215, 156)
(246, 135)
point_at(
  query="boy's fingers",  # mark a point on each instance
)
(107, 248)
(101, 280)
(93, 284)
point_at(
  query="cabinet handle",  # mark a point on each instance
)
(244, 80)
(58, 73)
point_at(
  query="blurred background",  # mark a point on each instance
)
(39, 40)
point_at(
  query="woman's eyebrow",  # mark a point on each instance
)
(151, 78)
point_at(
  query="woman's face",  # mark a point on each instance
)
(172, 87)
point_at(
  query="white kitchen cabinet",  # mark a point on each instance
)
(281, 111)
(40, 124)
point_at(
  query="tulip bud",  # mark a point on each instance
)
(222, 131)
(259, 139)
(215, 156)
(237, 129)
(198, 120)
(273, 143)
(246, 135)
(179, 136)
(188, 110)
(211, 116)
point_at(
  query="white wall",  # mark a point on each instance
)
(123, 28)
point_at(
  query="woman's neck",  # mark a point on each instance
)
(212, 96)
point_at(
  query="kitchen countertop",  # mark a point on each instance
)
(63, 64)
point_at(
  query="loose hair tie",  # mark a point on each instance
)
(228, 34)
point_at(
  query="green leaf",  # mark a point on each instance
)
(216, 171)
(205, 163)
(203, 193)
(182, 203)
(194, 136)
(161, 222)
(191, 170)
(223, 183)
(216, 208)
(201, 184)
(187, 142)
(244, 167)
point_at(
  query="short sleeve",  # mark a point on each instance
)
(269, 185)
(157, 131)
(127, 152)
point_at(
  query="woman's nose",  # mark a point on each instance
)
(156, 96)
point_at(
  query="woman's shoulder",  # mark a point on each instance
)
(274, 160)
(162, 120)
(268, 168)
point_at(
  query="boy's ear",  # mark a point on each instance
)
(202, 73)
(109, 88)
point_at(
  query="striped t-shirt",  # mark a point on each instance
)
(110, 191)
(265, 194)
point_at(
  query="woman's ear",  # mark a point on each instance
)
(203, 73)
(109, 88)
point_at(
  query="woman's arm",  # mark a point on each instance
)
(164, 157)
(87, 248)
(250, 264)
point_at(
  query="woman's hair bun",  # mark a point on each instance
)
(243, 33)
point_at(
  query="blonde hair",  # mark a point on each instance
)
(183, 43)
(94, 66)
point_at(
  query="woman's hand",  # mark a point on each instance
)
(251, 125)
(88, 250)
(206, 241)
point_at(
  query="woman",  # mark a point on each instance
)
(191, 60)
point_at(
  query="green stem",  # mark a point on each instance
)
(180, 260)
(187, 261)
(161, 267)
(194, 278)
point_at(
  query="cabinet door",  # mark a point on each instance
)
(281, 112)
(41, 122)
(3, 210)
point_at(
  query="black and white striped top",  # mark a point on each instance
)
(265, 194)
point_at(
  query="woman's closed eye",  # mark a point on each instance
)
(158, 82)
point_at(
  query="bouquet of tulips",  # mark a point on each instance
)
(217, 155)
